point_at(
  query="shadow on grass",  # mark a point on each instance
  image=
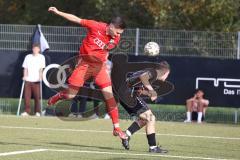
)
(21, 144)
(91, 146)
(85, 146)
(120, 157)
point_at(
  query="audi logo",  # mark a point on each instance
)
(61, 76)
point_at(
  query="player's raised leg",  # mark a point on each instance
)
(134, 127)
(80, 74)
(112, 110)
(103, 80)
(68, 93)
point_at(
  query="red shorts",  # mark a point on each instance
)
(86, 70)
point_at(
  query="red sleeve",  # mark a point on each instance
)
(88, 23)
(117, 39)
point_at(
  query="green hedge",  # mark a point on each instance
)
(162, 112)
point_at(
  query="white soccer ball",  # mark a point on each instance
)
(151, 49)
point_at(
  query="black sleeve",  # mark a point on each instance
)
(152, 73)
(135, 78)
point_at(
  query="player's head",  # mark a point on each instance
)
(116, 26)
(199, 93)
(163, 70)
(36, 48)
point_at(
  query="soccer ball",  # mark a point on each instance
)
(151, 49)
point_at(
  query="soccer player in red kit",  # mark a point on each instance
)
(101, 38)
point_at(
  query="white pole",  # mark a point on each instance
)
(41, 103)
(137, 42)
(238, 46)
(236, 116)
(20, 98)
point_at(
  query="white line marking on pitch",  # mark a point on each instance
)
(21, 152)
(97, 131)
(135, 154)
(107, 153)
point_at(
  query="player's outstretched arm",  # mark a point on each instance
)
(145, 80)
(67, 16)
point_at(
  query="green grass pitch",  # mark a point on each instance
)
(49, 138)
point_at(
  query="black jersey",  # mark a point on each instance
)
(129, 91)
(134, 79)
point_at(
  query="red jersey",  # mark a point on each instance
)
(97, 43)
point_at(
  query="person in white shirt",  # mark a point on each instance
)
(32, 75)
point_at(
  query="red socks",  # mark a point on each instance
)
(112, 110)
(63, 95)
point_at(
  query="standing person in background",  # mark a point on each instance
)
(32, 75)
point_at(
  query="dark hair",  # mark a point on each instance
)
(36, 45)
(164, 65)
(118, 22)
(199, 90)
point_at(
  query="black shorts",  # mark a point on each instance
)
(195, 116)
(139, 108)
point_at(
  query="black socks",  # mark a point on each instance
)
(151, 139)
(133, 128)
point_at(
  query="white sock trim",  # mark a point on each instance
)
(152, 147)
(116, 125)
(189, 116)
(200, 117)
(128, 133)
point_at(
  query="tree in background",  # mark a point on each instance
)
(212, 15)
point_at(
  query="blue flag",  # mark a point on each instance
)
(38, 38)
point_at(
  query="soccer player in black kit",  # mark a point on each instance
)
(139, 84)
